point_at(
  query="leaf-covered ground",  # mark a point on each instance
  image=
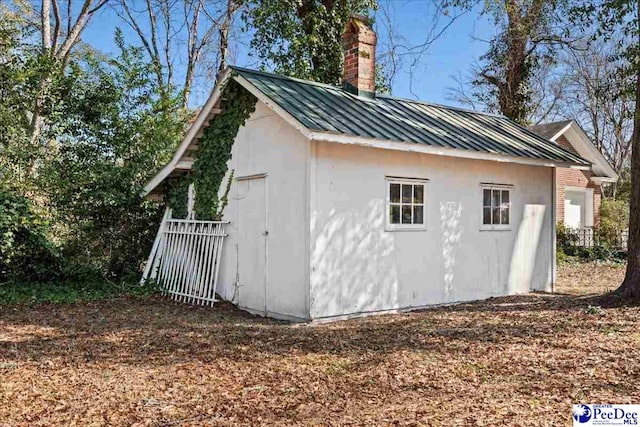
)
(589, 278)
(148, 361)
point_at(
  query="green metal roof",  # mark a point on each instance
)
(326, 108)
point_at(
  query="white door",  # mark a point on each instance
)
(252, 240)
(574, 209)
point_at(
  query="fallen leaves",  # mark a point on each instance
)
(596, 277)
(149, 362)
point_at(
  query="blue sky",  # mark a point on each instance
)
(452, 54)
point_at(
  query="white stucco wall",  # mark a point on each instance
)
(327, 251)
(356, 266)
(268, 145)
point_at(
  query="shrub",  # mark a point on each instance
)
(26, 253)
(614, 220)
(605, 248)
(564, 237)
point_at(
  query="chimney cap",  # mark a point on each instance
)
(362, 18)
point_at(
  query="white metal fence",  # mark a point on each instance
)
(185, 259)
(589, 237)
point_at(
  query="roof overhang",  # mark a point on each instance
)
(438, 151)
(599, 180)
(178, 163)
(580, 141)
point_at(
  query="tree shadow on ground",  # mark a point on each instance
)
(157, 331)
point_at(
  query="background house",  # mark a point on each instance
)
(345, 202)
(578, 192)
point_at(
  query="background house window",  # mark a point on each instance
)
(405, 204)
(496, 207)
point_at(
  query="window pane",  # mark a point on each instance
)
(394, 193)
(495, 217)
(406, 214)
(394, 214)
(505, 197)
(418, 215)
(504, 215)
(495, 200)
(486, 197)
(418, 194)
(406, 193)
(486, 215)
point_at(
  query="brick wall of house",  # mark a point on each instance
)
(574, 178)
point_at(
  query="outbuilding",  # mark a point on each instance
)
(346, 202)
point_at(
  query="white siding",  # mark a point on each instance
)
(268, 145)
(356, 266)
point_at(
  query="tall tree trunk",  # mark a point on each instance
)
(36, 118)
(59, 55)
(630, 287)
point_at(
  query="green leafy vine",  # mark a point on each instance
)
(214, 152)
(176, 194)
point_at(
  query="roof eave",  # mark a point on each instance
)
(229, 73)
(611, 175)
(600, 179)
(191, 134)
(439, 151)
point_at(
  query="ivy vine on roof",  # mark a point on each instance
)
(212, 156)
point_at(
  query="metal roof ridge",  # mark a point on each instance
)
(378, 95)
(280, 76)
(564, 122)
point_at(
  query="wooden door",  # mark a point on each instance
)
(252, 244)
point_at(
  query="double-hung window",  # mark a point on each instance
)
(406, 204)
(496, 207)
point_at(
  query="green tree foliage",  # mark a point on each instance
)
(114, 132)
(302, 38)
(17, 69)
(26, 252)
(108, 129)
(177, 195)
(383, 82)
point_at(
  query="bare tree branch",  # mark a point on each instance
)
(56, 30)
(183, 29)
(81, 21)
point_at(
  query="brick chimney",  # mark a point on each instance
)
(359, 42)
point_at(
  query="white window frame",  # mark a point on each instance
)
(501, 187)
(387, 203)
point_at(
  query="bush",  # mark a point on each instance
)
(605, 249)
(614, 220)
(26, 253)
(113, 239)
(564, 237)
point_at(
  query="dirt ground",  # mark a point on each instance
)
(520, 360)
